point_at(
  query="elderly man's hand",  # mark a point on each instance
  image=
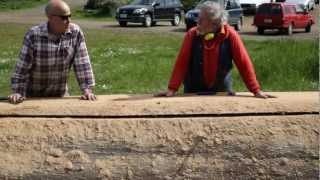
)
(16, 98)
(88, 95)
(168, 93)
(263, 95)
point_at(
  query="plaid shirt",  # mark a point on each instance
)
(45, 60)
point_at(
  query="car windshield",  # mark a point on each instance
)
(203, 1)
(269, 9)
(300, 8)
(142, 2)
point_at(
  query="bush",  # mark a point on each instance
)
(19, 4)
(189, 4)
(106, 7)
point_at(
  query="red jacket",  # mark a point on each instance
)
(211, 56)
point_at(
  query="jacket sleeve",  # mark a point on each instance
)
(82, 64)
(21, 74)
(181, 66)
(243, 62)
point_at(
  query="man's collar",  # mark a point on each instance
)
(44, 29)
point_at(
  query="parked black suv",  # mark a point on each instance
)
(235, 14)
(148, 12)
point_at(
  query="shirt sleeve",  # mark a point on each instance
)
(181, 66)
(21, 74)
(82, 64)
(243, 62)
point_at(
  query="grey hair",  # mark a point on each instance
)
(215, 12)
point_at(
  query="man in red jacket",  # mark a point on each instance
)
(205, 60)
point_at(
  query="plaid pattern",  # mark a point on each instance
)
(45, 60)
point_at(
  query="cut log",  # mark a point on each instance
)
(146, 105)
(140, 137)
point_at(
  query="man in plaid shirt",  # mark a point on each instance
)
(49, 50)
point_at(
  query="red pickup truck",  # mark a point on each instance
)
(282, 16)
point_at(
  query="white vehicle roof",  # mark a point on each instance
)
(297, 1)
(256, 2)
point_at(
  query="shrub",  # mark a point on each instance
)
(189, 4)
(106, 7)
(97, 4)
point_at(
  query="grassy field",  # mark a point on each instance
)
(6, 5)
(142, 62)
(77, 12)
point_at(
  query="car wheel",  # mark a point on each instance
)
(260, 30)
(147, 21)
(308, 28)
(238, 25)
(154, 23)
(289, 29)
(176, 20)
(123, 23)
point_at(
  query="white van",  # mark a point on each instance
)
(251, 5)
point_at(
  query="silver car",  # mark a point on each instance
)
(235, 14)
(305, 4)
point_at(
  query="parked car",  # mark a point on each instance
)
(235, 14)
(282, 16)
(306, 4)
(149, 12)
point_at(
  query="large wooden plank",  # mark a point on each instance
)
(258, 147)
(146, 105)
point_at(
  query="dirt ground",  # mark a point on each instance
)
(197, 148)
(36, 16)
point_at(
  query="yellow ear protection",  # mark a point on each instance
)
(209, 36)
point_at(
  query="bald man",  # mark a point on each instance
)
(49, 51)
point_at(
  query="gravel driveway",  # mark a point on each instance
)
(36, 16)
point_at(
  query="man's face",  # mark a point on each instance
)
(60, 23)
(205, 24)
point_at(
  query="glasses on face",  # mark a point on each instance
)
(208, 21)
(64, 17)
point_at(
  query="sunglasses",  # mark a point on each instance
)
(64, 17)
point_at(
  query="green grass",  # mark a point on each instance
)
(6, 5)
(126, 62)
(285, 65)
